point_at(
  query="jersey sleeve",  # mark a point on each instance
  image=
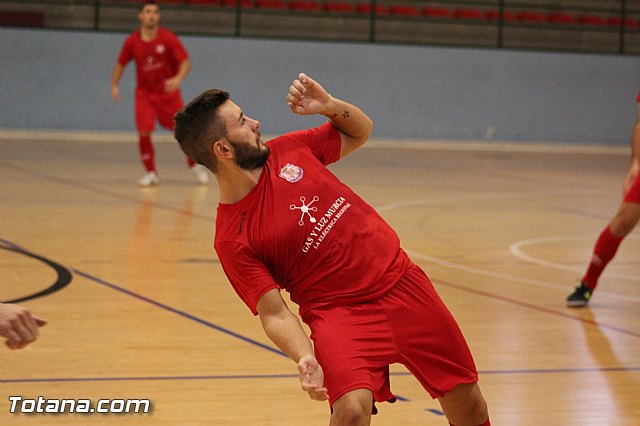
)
(324, 141)
(246, 272)
(178, 51)
(638, 97)
(126, 54)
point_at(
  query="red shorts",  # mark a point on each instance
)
(161, 106)
(409, 325)
(633, 194)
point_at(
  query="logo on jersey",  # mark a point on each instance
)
(160, 49)
(291, 173)
(305, 209)
(322, 224)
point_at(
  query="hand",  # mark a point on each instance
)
(115, 93)
(312, 378)
(18, 325)
(172, 84)
(306, 96)
(633, 172)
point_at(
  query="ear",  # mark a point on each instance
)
(222, 149)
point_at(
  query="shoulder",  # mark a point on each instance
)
(291, 140)
(280, 143)
(166, 33)
(132, 37)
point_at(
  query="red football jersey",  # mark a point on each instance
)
(303, 230)
(156, 60)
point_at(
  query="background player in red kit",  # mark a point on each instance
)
(620, 226)
(285, 221)
(161, 64)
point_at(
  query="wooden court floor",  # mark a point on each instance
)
(148, 313)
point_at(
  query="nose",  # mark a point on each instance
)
(256, 124)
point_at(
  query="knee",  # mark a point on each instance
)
(350, 414)
(623, 224)
(466, 406)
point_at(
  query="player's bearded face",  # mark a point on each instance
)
(250, 155)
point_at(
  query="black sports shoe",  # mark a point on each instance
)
(580, 297)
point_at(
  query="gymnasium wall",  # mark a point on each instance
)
(61, 80)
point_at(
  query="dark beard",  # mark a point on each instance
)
(249, 157)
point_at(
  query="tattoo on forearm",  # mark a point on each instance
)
(345, 114)
(334, 116)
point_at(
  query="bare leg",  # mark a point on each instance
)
(465, 405)
(353, 409)
(625, 219)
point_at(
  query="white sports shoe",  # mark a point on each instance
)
(149, 179)
(202, 174)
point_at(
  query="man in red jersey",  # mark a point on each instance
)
(161, 64)
(284, 221)
(620, 226)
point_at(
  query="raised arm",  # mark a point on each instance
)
(284, 329)
(306, 96)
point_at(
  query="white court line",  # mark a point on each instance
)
(558, 147)
(478, 271)
(446, 198)
(481, 196)
(515, 250)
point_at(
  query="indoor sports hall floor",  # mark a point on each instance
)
(148, 314)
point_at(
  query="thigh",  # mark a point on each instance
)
(166, 108)
(354, 346)
(430, 342)
(145, 112)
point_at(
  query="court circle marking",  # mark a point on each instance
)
(480, 271)
(63, 274)
(516, 247)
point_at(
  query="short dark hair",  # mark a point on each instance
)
(198, 125)
(149, 2)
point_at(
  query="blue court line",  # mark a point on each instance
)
(196, 319)
(436, 412)
(561, 370)
(152, 378)
(536, 307)
(269, 348)
(179, 312)
(292, 376)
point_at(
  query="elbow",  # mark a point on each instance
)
(367, 133)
